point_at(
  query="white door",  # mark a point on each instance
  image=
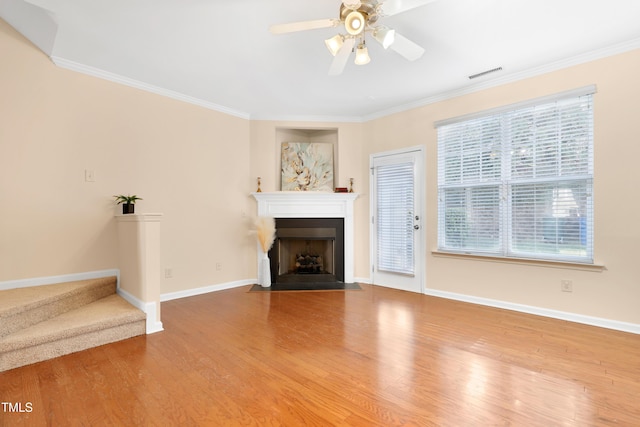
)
(397, 233)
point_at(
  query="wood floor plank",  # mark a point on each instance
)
(374, 357)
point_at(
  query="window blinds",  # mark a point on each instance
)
(394, 216)
(518, 182)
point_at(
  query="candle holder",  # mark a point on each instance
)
(350, 185)
(259, 190)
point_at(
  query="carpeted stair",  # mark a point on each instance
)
(44, 322)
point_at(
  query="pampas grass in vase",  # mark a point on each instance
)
(266, 231)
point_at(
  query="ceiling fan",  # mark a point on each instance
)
(360, 17)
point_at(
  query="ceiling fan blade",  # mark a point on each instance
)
(393, 7)
(340, 60)
(405, 47)
(303, 25)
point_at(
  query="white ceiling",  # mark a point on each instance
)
(220, 54)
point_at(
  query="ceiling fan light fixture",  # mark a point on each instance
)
(334, 43)
(385, 36)
(354, 23)
(362, 55)
(352, 4)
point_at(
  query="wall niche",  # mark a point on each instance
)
(316, 135)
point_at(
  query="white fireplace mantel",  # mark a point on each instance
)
(314, 204)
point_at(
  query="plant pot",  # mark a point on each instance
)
(128, 208)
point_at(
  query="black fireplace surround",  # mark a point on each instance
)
(311, 267)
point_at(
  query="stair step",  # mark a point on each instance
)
(101, 322)
(23, 307)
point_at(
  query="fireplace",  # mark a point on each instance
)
(308, 250)
(314, 205)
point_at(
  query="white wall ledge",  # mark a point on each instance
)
(522, 261)
(139, 217)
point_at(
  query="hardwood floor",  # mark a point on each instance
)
(375, 357)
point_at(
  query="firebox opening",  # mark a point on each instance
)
(308, 250)
(306, 257)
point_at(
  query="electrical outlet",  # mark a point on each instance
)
(566, 285)
(168, 273)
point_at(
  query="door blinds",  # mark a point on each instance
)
(395, 206)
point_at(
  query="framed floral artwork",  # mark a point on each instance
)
(307, 166)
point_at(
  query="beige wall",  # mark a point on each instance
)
(198, 166)
(613, 294)
(187, 162)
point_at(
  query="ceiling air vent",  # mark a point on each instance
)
(484, 73)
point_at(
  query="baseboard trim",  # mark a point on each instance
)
(153, 325)
(52, 280)
(555, 314)
(206, 289)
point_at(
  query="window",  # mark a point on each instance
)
(517, 181)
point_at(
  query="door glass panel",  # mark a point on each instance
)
(395, 218)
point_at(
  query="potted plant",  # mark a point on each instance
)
(128, 202)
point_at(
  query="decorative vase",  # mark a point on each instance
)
(128, 208)
(265, 282)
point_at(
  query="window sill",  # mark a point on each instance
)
(522, 261)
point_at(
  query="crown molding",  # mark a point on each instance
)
(472, 88)
(116, 78)
(309, 118)
(512, 77)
